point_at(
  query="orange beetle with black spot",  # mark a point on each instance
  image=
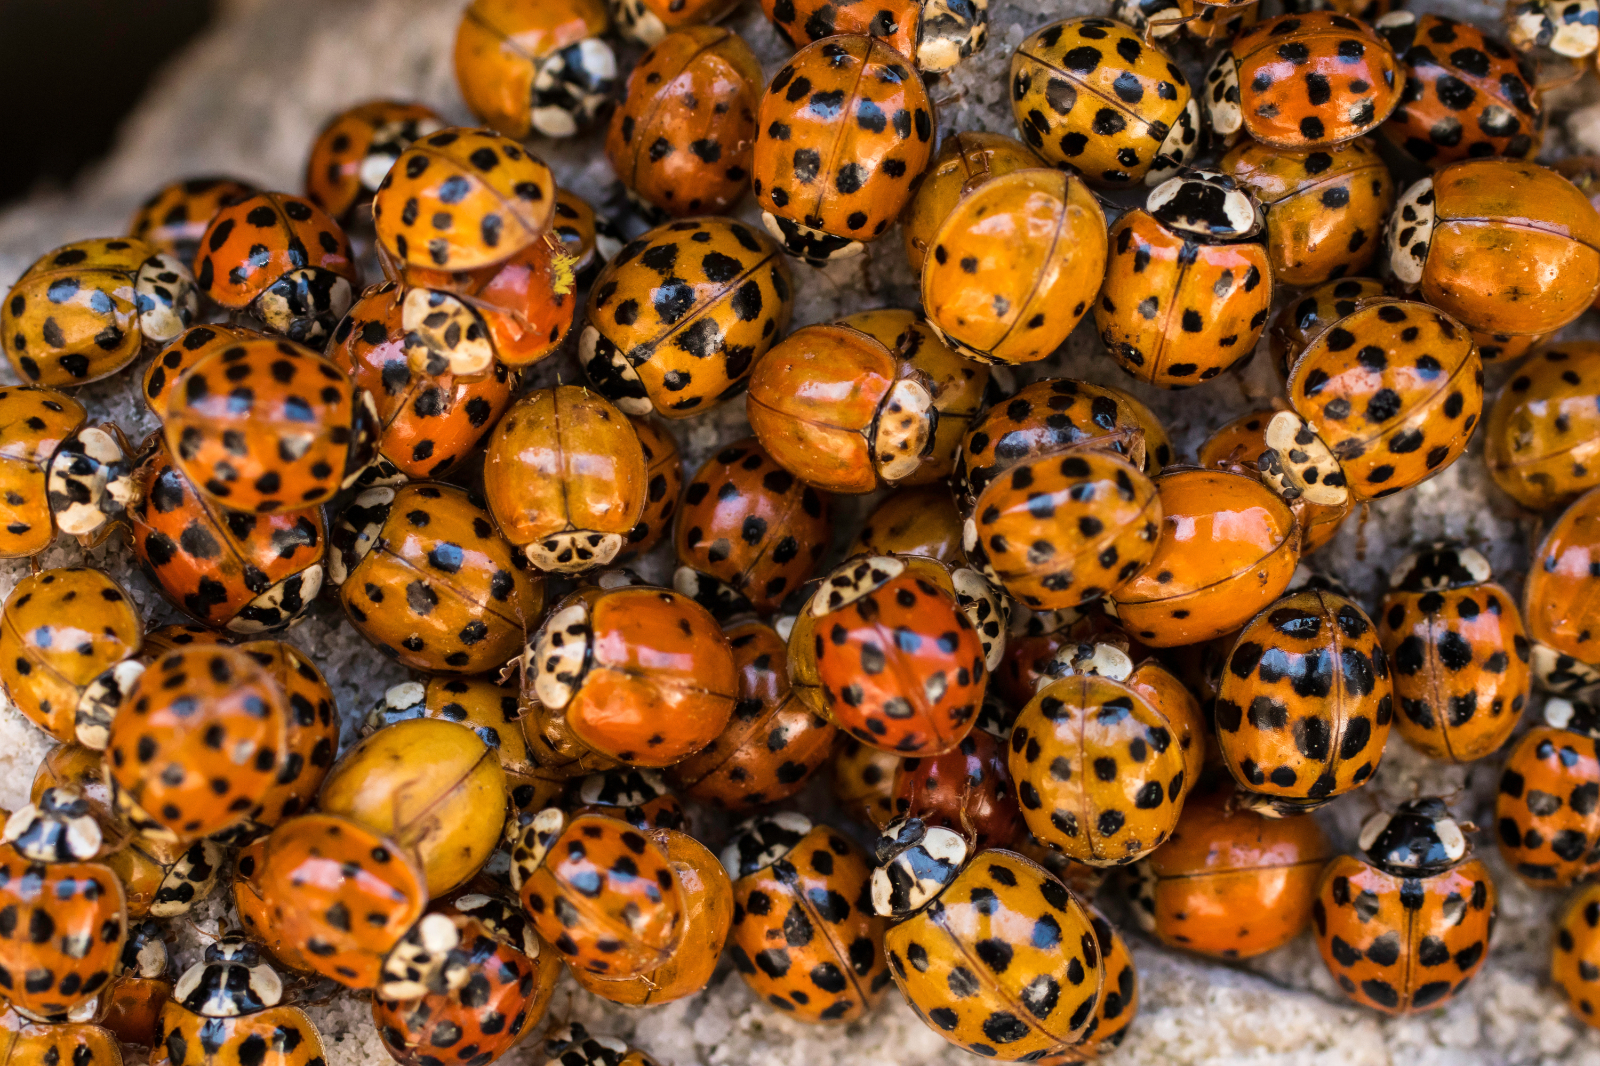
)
(1542, 436)
(353, 153)
(967, 789)
(1546, 808)
(175, 216)
(862, 780)
(965, 158)
(1119, 999)
(913, 521)
(538, 68)
(1575, 952)
(188, 348)
(1559, 603)
(1313, 311)
(935, 34)
(1404, 926)
(843, 130)
(683, 137)
(1242, 443)
(664, 474)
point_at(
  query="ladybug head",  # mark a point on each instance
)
(1098, 658)
(995, 717)
(1438, 567)
(762, 841)
(59, 828)
(626, 787)
(853, 579)
(144, 953)
(572, 1045)
(232, 981)
(1575, 716)
(1418, 839)
(1206, 205)
(916, 862)
(1309, 578)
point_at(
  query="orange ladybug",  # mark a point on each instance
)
(843, 130)
(1242, 442)
(1573, 956)
(186, 349)
(683, 137)
(664, 474)
(1325, 207)
(85, 310)
(965, 158)
(967, 789)
(862, 780)
(1557, 597)
(935, 34)
(1460, 658)
(922, 520)
(175, 216)
(1306, 80)
(1404, 926)
(132, 1003)
(639, 674)
(1540, 438)
(1187, 290)
(1481, 228)
(530, 67)
(1230, 882)
(1549, 792)
(353, 153)
(805, 937)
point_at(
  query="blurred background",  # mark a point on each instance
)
(72, 69)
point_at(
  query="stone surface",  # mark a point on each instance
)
(247, 98)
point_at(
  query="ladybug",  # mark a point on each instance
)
(492, 711)
(707, 919)
(590, 238)
(254, 911)
(1094, 721)
(197, 744)
(237, 571)
(936, 35)
(1485, 99)
(186, 349)
(131, 1004)
(527, 69)
(1324, 207)
(1188, 287)
(1481, 228)
(639, 674)
(500, 1001)
(681, 294)
(967, 789)
(805, 937)
(843, 130)
(312, 736)
(750, 532)
(991, 951)
(60, 631)
(1556, 599)
(1228, 547)
(229, 1010)
(565, 478)
(636, 796)
(1404, 926)
(571, 1045)
(1119, 999)
(774, 741)
(353, 153)
(1230, 883)
(283, 261)
(1459, 654)
(71, 911)
(1573, 955)
(664, 481)
(600, 891)
(1139, 121)
(426, 422)
(1015, 301)
(267, 425)
(1046, 416)
(1313, 311)
(1242, 442)
(1306, 701)
(648, 21)
(319, 867)
(1544, 814)
(1383, 399)
(921, 520)
(175, 217)
(965, 158)
(1569, 28)
(887, 647)
(1309, 80)
(683, 137)
(863, 780)
(1539, 438)
(85, 310)
(1208, 24)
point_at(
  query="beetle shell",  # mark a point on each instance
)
(1227, 548)
(186, 349)
(279, 1036)
(1305, 80)
(527, 69)
(965, 159)
(175, 216)
(353, 153)
(1011, 264)
(843, 130)
(863, 780)
(36, 425)
(683, 137)
(1545, 809)
(1575, 953)
(1243, 441)
(664, 471)
(1325, 207)
(313, 733)
(1403, 944)
(1559, 606)
(1540, 439)
(1467, 95)
(1306, 701)
(80, 905)
(1005, 964)
(1481, 228)
(1119, 999)
(680, 315)
(912, 521)
(805, 937)
(1138, 121)
(1230, 883)
(254, 911)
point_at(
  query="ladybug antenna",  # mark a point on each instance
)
(194, 927)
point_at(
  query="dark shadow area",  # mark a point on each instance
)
(70, 70)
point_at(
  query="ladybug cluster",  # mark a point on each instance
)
(1055, 656)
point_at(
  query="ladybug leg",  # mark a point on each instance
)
(1575, 74)
(1167, 26)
